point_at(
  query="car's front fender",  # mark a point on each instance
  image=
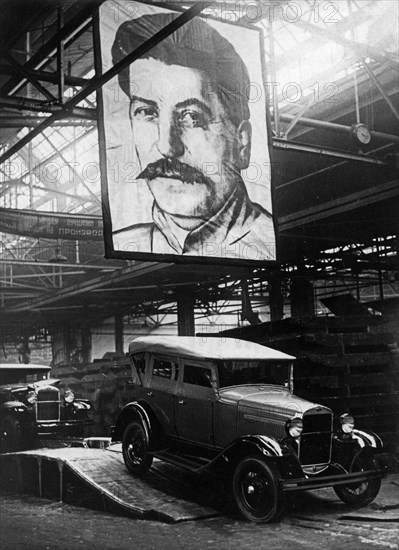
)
(367, 439)
(17, 407)
(21, 412)
(271, 449)
(130, 412)
(346, 446)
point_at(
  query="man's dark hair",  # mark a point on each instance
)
(196, 45)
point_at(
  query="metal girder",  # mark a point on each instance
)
(60, 54)
(26, 104)
(293, 146)
(80, 180)
(29, 76)
(48, 187)
(349, 202)
(9, 121)
(104, 268)
(326, 125)
(38, 165)
(72, 29)
(381, 89)
(139, 269)
(362, 49)
(297, 118)
(98, 81)
(45, 76)
(50, 191)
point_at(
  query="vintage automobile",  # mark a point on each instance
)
(228, 405)
(32, 407)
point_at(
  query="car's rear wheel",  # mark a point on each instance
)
(135, 446)
(360, 493)
(257, 490)
(11, 435)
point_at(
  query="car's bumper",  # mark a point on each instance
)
(318, 482)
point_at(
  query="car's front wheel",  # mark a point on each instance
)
(135, 446)
(257, 490)
(11, 435)
(360, 493)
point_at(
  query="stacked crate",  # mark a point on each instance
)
(350, 364)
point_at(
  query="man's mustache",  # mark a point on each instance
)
(174, 169)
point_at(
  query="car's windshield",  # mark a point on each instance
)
(234, 373)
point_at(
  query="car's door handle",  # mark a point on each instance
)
(181, 402)
(150, 394)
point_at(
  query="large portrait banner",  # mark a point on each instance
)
(184, 139)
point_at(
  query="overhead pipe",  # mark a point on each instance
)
(326, 125)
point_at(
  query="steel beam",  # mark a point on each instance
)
(380, 89)
(293, 146)
(45, 76)
(362, 49)
(60, 54)
(70, 32)
(29, 76)
(7, 121)
(139, 269)
(326, 125)
(26, 104)
(325, 169)
(49, 190)
(97, 82)
(104, 268)
(349, 202)
(79, 179)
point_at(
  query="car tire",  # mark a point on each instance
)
(11, 435)
(135, 446)
(360, 494)
(257, 490)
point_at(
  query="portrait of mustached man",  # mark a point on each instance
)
(192, 138)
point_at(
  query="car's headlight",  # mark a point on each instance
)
(294, 426)
(347, 423)
(31, 397)
(69, 396)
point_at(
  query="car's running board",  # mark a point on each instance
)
(181, 461)
(318, 482)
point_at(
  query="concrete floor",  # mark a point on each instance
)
(312, 521)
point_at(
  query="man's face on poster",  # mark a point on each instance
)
(189, 152)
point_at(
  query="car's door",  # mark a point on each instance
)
(162, 386)
(194, 402)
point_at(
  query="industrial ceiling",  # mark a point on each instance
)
(335, 199)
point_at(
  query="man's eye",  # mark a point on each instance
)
(192, 119)
(145, 113)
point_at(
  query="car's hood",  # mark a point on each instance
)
(271, 398)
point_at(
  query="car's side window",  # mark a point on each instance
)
(139, 361)
(161, 368)
(197, 376)
(138, 368)
(163, 374)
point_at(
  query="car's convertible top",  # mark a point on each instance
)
(206, 348)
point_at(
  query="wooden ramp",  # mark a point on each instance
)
(98, 478)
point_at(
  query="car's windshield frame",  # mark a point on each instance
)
(259, 372)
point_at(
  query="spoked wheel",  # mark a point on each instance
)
(135, 446)
(363, 492)
(257, 490)
(11, 435)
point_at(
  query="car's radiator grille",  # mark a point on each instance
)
(315, 442)
(48, 404)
